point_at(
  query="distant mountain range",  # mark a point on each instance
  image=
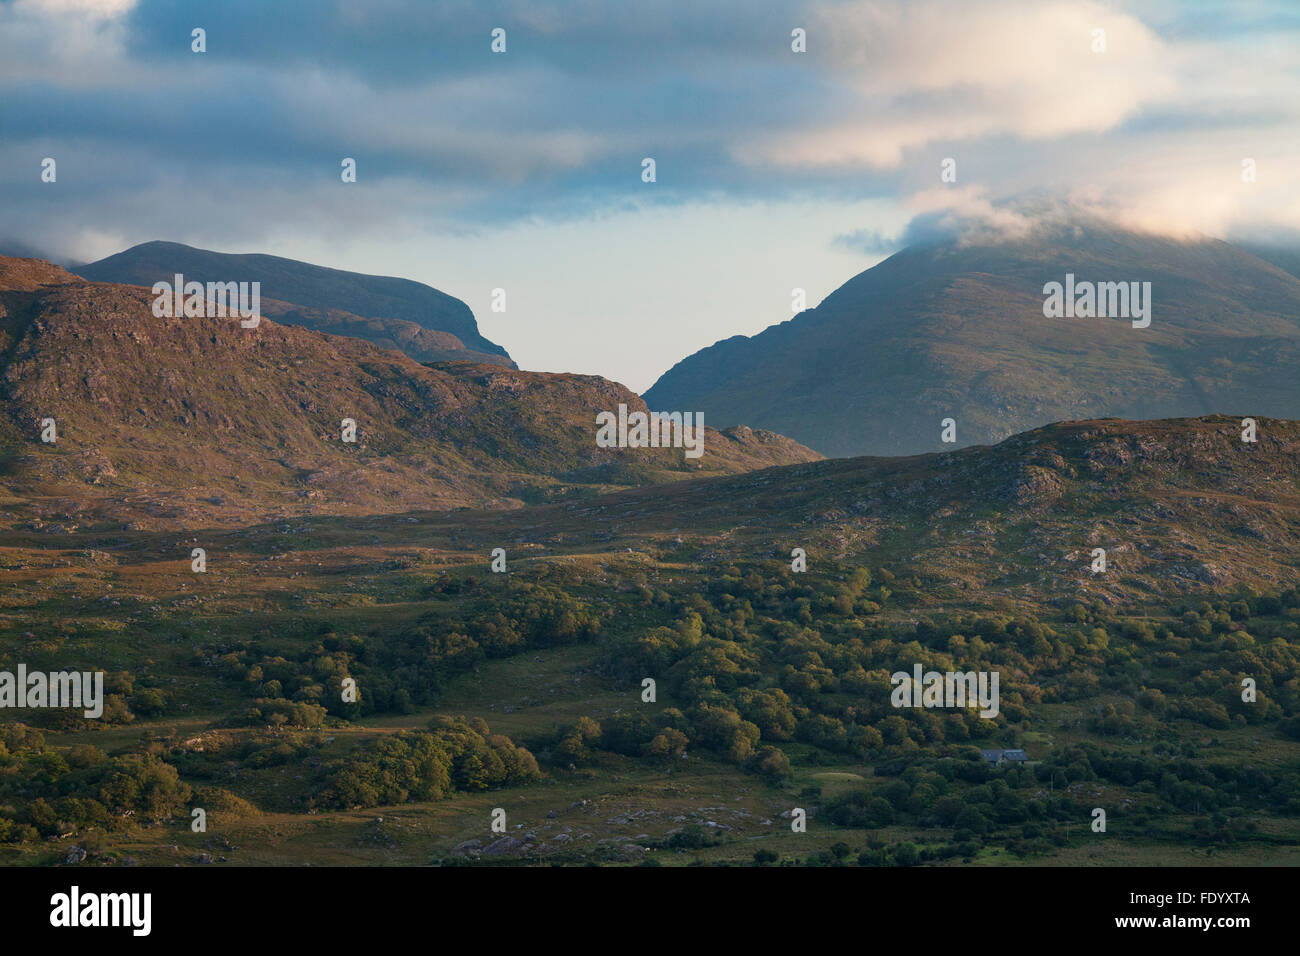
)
(957, 330)
(179, 422)
(428, 325)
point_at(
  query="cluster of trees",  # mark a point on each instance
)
(398, 668)
(960, 792)
(453, 755)
(1029, 810)
(46, 792)
(1175, 774)
(756, 661)
(664, 736)
(125, 697)
(278, 712)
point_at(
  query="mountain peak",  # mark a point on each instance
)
(956, 328)
(390, 311)
(28, 275)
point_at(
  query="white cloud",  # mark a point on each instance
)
(100, 9)
(69, 43)
(939, 70)
(1149, 134)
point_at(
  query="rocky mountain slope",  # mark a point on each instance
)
(1180, 506)
(165, 421)
(955, 330)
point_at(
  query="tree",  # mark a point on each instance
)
(906, 854)
(669, 743)
(771, 764)
(973, 820)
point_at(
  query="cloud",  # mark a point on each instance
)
(245, 141)
(94, 9)
(867, 241)
(73, 44)
(969, 215)
(930, 71)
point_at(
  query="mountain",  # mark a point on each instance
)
(426, 324)
(166, 422)
(1285, 256)
(421, 344)
(957, 330)
(31, 275)
(1180, 506)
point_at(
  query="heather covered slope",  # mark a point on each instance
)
(30, 275)
(957, 331)
(421, 344)
(1180, 506)
(175, 420)
(396, 313)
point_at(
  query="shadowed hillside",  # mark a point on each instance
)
(957, 331)
(396, 313)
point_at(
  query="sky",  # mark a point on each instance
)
(775, 170)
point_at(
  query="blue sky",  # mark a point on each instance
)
(522, 170)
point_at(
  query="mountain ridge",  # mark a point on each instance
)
(1180, 505)
(951, 330)
(174, 421)
(391, 311)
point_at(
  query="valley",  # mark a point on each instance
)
(436, 620)
(772, 686)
